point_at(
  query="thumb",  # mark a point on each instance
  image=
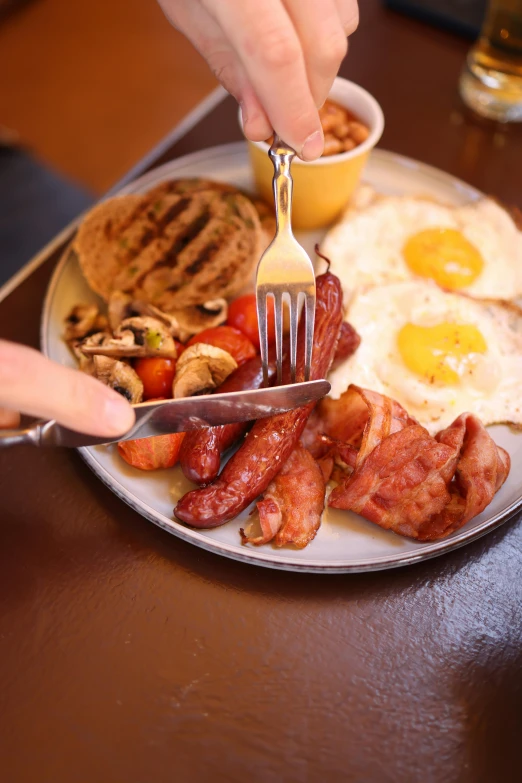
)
(34, 385)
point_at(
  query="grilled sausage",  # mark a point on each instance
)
(348, 343)
(200, 455)
(270, 441)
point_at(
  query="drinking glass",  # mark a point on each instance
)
(491, 80)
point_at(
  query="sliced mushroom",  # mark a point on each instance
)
(85, 362)
(193, 320)
(200, 369)
(135, 337)
(119, 376)
(119, 308)
(83, 320)
(185, 323)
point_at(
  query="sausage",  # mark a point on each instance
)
(270, 441)
(348, 343)
(200, 455)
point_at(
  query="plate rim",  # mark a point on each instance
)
(239, 552)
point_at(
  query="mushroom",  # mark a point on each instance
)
(181, 324)
(119, 376)
(185, 323)
(85, 362)
(193, 320)
(83, 320)
(200, 369)
(135, 337)
(119, 308)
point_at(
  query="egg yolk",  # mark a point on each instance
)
(445, 255)
(441, 353)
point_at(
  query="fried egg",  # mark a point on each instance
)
(439, 354)
(476, 249)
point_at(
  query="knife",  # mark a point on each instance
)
(186, 413)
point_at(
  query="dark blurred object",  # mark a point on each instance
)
(8, 6)
(463, 17)
(35, 204)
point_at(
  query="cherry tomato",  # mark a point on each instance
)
(157, 375)
(229, 339)
(242, 315)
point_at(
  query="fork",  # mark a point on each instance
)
(285, 272)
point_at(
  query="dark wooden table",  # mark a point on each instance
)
(129, 656)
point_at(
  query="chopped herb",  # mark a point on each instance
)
(230, 199)
(124, 243)
(133, 270)
(153, 340)
(158, 206)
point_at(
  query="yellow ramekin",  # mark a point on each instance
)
(323, 187)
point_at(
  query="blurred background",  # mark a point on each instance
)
(91, 85)
(88, 87)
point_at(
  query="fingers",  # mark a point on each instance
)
(9, 419)
(32, 384)
(205, 33)
(228, 69)
(348, 11)
(278, 60)
(323, 40)
(270, 51)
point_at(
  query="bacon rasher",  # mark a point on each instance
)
(416, 485)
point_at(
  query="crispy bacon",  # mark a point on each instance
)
(291, 509)
(347, 419)
(482, 468)
(422, 487)
(402, 482)
(327, 465)
(354, 421)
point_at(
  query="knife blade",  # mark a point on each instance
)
(186, 413)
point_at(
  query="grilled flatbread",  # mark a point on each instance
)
(195, 184)
(172, 249)
(98, 245)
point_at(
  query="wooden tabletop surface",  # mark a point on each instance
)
(129, 655)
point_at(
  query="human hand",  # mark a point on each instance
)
(32, 384)
(277, 58)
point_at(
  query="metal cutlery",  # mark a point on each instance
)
(285, 272)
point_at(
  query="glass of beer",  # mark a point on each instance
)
(491, 80)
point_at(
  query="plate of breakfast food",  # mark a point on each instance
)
(417, 449)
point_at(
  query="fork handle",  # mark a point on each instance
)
(282, 155)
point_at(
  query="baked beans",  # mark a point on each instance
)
(343, 131)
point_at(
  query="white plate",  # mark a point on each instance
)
(345, 542)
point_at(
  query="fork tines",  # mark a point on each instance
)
(286, 273)
(297, 363)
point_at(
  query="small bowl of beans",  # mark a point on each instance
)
(353, 123)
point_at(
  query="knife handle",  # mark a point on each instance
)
(29, 436)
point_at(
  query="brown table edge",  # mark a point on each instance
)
(188, 122)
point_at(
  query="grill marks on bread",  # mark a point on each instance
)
(171, 248)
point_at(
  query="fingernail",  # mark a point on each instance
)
(313, 146)
(118, 415)
(244, 115)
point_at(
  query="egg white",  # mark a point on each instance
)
(492, 390)
(365, 246)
